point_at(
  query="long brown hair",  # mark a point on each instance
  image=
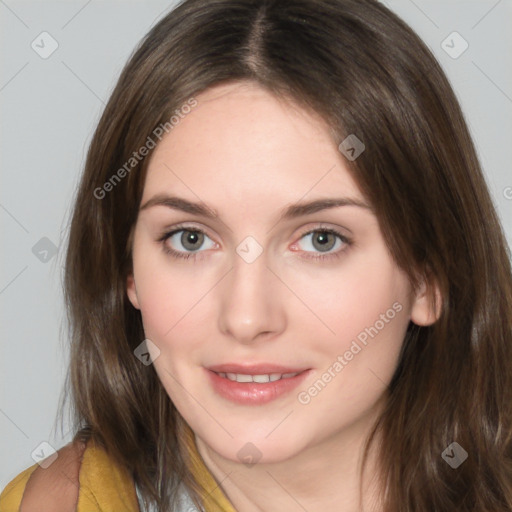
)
(362, 69)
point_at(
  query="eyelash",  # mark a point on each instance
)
(196, 255)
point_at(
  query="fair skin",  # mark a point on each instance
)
(248, 156)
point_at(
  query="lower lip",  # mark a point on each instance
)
(254, 393)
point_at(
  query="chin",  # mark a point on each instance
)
(256, 451)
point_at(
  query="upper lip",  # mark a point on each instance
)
(254, 369)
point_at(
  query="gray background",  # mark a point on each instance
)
(49, 108)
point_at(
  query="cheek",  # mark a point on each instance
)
(355, 297)
(173, 299)
(366, 306)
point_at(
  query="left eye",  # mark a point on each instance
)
(324, 241)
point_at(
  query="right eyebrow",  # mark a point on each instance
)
(178, 203)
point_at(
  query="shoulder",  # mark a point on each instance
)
(54, 488)
(83, 477)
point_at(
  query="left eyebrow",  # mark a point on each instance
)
(301, 209)
(291, 212)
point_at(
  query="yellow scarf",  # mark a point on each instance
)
(106, 486)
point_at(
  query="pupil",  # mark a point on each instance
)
(322, 238)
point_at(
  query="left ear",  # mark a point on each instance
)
(426, 307)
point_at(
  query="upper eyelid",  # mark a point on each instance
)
(318, 227)
(171, 231)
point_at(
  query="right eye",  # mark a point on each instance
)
(189, 239)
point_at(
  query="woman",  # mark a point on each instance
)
(287, 284)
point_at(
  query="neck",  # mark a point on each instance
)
(325, 476)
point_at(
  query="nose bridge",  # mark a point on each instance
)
(250, 302)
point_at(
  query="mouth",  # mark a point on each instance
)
(254, 385)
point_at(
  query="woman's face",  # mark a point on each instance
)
(256, 291)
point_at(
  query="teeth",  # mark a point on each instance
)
(240, 377)
(261, 378)
(266, 377)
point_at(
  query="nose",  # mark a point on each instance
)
(250, 302)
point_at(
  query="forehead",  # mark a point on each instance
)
(243, 143)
